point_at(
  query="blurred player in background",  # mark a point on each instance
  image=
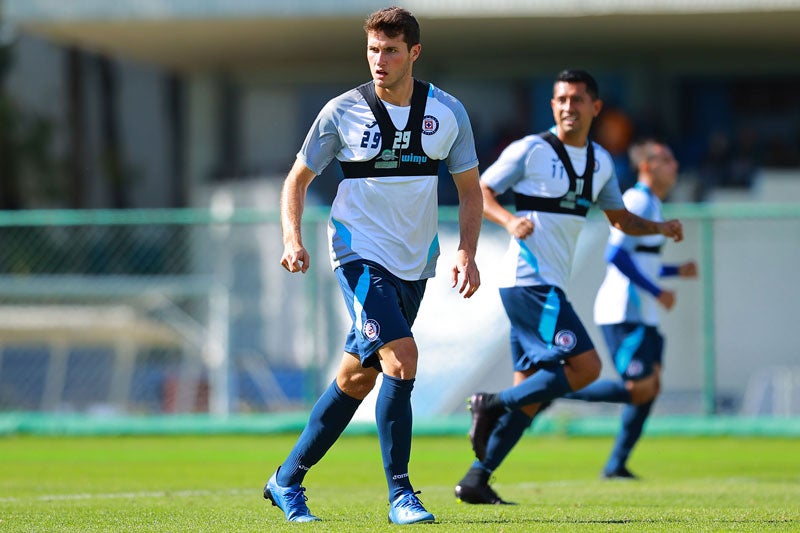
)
(556, 176)
(389, 135)
(626, 307)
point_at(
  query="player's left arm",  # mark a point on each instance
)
(470, 215)
(631, 224)
(620, 258)
(683, 270)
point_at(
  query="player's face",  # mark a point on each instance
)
(663, 167)
(573, 110)
(390, 60)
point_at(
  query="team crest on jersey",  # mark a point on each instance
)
(371, 330)
(430, 125)
(565, 340)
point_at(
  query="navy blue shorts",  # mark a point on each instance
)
(545, 329)
(382, 306)
(635, 348)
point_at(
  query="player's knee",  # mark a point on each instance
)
(399, 369)
(591, 367)
(356, 384)
(645, 390)
(583, 369)
(399, 358)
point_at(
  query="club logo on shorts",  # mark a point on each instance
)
(635, 368)
(565, 340)
(430, 125)
(371, 330)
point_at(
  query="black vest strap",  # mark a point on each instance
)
(641, 248)
(578, 198)
(401, 150)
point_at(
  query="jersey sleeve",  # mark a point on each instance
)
(610, 198)
(323, 141)
(621, 259)
(508, 169)
(636, 202)
(669, 271)
(463, 155)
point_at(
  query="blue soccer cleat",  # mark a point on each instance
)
(407, 509)
(291, 500)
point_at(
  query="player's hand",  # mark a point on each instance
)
(672, 229)
(465, 275)
(667, 299)
(295, 259)
(688, 270)
(520, 227)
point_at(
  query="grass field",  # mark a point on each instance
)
(213, 483)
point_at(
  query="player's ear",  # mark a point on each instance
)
(598, 106)
(415, 51)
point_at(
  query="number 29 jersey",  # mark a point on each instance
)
(385, 210)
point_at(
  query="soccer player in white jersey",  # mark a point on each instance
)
(555, 176)
(389, 136)
(626, 306)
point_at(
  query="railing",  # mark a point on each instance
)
(194, 312)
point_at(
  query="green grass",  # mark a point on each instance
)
(213, 483)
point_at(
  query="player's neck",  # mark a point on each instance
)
(576, 139)
(650, 185)
(398, 94)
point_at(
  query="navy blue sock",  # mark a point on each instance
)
(394, 418)
(633, 419)
(504, 437)
(544, 385)
(330, 415)
(602, 390)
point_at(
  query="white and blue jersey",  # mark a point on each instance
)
(619, 299)
(386, 209)
(532, 168)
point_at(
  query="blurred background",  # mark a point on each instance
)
(143, 145)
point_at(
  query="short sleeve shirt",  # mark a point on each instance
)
(530, 166)
(618, 299)
(391, 220)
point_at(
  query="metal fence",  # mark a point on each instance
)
(164, 311)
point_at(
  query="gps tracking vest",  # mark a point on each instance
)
(401, 150)
(578, 198)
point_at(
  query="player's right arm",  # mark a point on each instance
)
(621, 259)
(295, 257)
(519, 227)
(632, 224)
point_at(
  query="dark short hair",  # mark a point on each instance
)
(643, 149)
(394, 21)
(580, 76)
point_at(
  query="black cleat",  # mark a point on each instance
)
(481, 493)
(620, 473)
(484, 420)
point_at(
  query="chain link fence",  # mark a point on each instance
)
(179, 311)
(152, 312)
